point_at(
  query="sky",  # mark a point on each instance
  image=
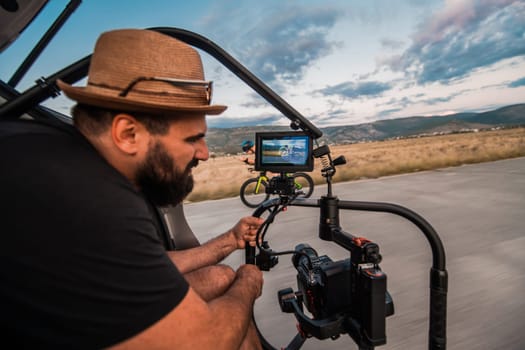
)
(337, 62)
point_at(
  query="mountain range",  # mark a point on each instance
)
(228, 140)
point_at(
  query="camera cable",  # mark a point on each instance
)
(261, 233)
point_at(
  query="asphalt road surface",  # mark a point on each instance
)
(478, 212)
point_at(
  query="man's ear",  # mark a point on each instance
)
(127, 133)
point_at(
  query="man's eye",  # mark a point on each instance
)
(193, 140)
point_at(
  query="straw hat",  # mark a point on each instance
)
(141, 70)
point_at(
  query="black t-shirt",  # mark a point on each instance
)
(81, 263)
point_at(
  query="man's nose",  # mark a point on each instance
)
(203, 152)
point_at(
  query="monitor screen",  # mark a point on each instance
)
(283, 151)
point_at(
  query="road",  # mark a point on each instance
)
(478, 212)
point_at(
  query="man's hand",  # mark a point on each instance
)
(246, 231)
(218, 248)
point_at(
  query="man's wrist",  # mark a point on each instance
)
(227, 244)
(232, 238)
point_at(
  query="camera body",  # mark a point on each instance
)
(352, 293)
(324, 284)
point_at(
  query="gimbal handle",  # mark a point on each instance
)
(249, 250)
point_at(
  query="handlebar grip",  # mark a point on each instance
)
(249, 250)
(438, 310)
(249, 254)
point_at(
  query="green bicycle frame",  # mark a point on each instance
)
(263, 177)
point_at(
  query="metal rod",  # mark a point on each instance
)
(44, 41)
(46, 88)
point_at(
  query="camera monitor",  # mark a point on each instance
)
(287, 152)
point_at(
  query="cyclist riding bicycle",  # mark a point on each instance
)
(248, 147)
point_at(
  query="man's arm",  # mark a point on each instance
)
(194, 324)
(247, 160)
(207, 254)
(218, 248)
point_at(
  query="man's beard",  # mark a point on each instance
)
(158, 179)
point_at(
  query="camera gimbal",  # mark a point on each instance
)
(348, 296)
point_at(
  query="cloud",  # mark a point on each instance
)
(386, 114)
(286, 44)
(402, 102)
(391, 43)
(462, 37)
(517, 83)
(356, 90)
(437, 100)
(244, 121)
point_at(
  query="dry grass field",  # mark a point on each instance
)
(222, 177)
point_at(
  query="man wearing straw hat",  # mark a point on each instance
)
(81, 262)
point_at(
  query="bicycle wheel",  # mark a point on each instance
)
(303, 182)
(249, 196)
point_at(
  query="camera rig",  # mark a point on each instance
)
(348, 296)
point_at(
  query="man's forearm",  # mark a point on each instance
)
(209, 253)
(221, 323)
